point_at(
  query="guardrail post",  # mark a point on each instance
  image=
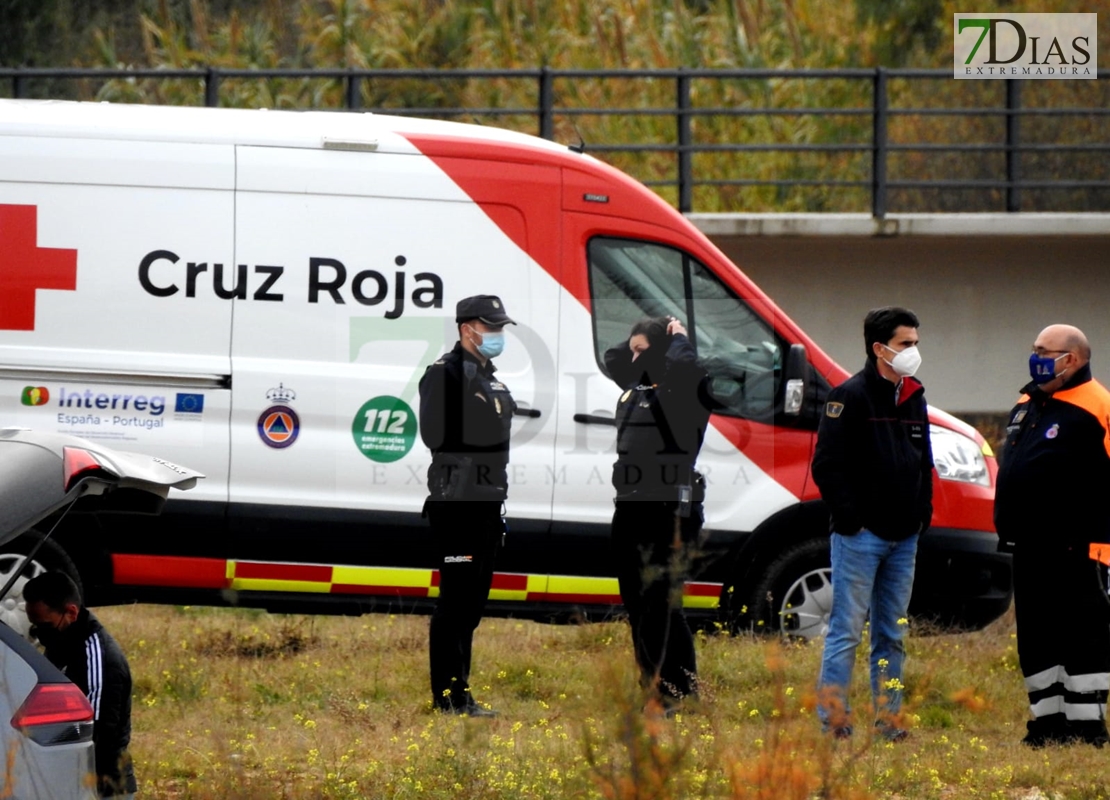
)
(211, 88)
(354, 96)
(685, 160)
(18, 86)
(1013, 154)
(547, 104)
(878, 145)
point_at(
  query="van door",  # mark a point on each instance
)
(354, 264)
(755, 462)
(111, 329)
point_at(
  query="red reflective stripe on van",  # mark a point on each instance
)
(177, 571)
(512, 581)
(258, 570)
(702, 589)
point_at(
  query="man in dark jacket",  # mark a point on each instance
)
(1058, 441)
(874, 466)
(465, 417)
(77, 644)
(661, 419)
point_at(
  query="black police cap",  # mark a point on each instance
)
(486, 307)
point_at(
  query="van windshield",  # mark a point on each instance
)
(631, 279)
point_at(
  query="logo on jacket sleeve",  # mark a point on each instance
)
(834, 410)
(1053, 432)
(25, 267)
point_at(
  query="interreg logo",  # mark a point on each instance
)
(35, 396)
(1033, 46)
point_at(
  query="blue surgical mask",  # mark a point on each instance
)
(493, 342)
(1042, 369)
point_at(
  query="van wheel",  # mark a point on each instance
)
(795, 596)
(50, 558)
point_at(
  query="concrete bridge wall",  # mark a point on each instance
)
(983, 286)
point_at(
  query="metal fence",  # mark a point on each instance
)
(879, 148)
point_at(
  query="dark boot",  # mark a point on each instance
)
(1050, 729)
(1092, 732)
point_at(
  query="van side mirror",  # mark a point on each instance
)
(796, 368)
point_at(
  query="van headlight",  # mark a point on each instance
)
(958, 457)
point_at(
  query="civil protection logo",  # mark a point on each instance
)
(278, 426)
(1025, 46)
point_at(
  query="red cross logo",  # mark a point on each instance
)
(25, 267)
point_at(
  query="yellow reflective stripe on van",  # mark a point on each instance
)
(576, 589)
(395, 577)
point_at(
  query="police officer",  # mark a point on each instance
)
(661, 420)
(1050, 507)
(465, 416)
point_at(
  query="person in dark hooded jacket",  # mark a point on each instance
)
(77, 644)
(661, 419)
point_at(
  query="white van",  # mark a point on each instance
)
(256, 294)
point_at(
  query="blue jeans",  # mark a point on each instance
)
(868, 574)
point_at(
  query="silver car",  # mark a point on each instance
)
(46, 723)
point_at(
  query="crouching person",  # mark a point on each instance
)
(78, 645)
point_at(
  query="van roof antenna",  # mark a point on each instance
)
(581, 146)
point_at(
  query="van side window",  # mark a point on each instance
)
(630, 280)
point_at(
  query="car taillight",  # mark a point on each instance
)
(76, 462)
(55, 713)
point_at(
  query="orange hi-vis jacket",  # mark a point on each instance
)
(1054, 472)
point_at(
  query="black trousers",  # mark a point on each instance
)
(1063, 638)
(651, 549)
(467, 535)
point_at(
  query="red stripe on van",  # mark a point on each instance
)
(282, 572)
(702, 589)
(501, 177)
(510, 581)
(177, 571)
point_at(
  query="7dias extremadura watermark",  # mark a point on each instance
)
(1030, 46)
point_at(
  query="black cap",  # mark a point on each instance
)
(486, 307)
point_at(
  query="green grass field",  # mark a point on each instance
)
(242, 704)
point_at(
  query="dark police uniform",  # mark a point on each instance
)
(465, 417)
(1050, 505)
(661, 421)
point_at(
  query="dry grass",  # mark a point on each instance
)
(241, 704)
